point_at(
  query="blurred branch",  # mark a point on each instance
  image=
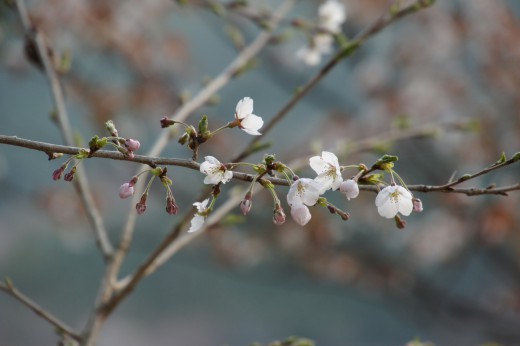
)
(43, 57)
(154, 161)
(61, 327)
(349, 49)
(231, 71)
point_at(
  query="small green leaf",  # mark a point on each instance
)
(83, 153)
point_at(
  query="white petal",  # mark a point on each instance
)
(336, 182)
(312, 191)
(404, 192)
(309, 55)
(383, 196)
(196, 223)
(244, 107)
(227, 176)
(324, 181)
(212, 179)
(405, 207)
(301, 214)
(292, 196)
(330, 158)
(212, 160)
(252, 122)
(388, 209)
(318, 165)
(207, 167)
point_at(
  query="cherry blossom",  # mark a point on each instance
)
(303, 191)
(198, 219)
(328, 170)
(216, 172)
(350, 188)
(417, 205)
(249, 122)
(319, 45)
(392, 200)
(332, 15)
(132, 144)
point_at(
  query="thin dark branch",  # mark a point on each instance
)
(34, 36)
(346, 51)
(153, 161)
(61, 327)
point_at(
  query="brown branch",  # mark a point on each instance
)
(34, 36)
(154, 161)
(346, 51)
(61, 327)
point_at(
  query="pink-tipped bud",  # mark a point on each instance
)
(350, 188)
(301, 214)
(279, 216)
(171, 207)
(400, 223)
(56, 175)
(141, 206)
(417, 205)
(246, 204)
(126, 190)
(130, 154)
(165, 122)
(132, 144)
(69, 176)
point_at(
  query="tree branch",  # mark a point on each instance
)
(61, 327)
(34, 36)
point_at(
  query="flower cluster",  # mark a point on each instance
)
(303, 193)
(331, 15)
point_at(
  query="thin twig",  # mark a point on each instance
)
(61, 327)
(80, 183)
(230, 72)
(348, 50)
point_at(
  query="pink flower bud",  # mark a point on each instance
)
(171, 207)
(350, 188)
(56, 175)
(417, 205)
(279, 216)
(69, 176)
(132, 144)
(301, 214)
(126, 190)
(246, 204)
(141, 206)
(165, 122)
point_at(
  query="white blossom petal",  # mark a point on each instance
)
(244, 107)
(318, 164)
(227, 176)
(212, 160)
(251, 124)
(303, 191)
(196, 223)
(392, 200)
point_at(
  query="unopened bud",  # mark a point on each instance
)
(56, 175)
(350, 188)
(132, 144)
(126, 190)
(246, 203)
(165, 122)
(417, 205)
(171, 207)
(400, 223)
(141, 206)
(69, 176)
(111, 128)
(301, 214)
(279, 216)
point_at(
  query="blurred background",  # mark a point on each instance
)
(446, 80)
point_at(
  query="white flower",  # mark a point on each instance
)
(303, 191)
(215, 171)
(320, 44)
(332, 14)
(249, 122)
(328, 170)
(301, 214)
(198, 220)
(392, 200)
(350, 188)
